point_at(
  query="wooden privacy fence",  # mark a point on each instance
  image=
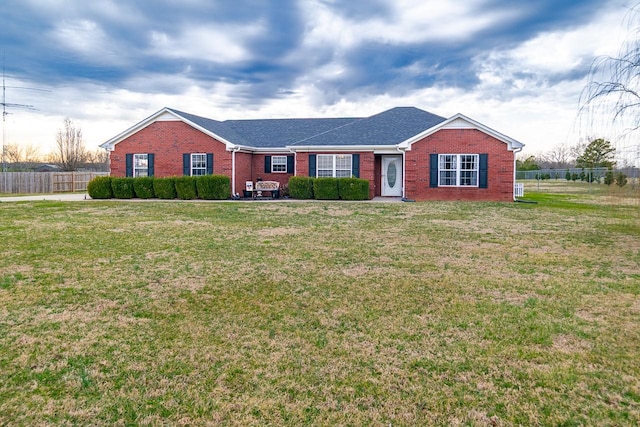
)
(46, 182)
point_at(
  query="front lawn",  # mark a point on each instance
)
(332, 313)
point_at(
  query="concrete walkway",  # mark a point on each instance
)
(66, 197)
(77, 197)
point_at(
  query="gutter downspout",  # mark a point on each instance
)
(295, 160)
(513, 187)
(404, 176)
(233, 169)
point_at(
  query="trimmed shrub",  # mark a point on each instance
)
(213, 187)
(301, 187)
(608, 178)
(186, 187)
(325, 188)
(621, 179)
(100, 188)
(122, 188)
(165, 188)
(143, 187)
(353, 189)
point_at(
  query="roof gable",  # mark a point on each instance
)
(460, 121)
(210, 127)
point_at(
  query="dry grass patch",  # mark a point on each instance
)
(320, 314)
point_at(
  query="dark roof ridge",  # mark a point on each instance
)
(293, 118)
(328, 130)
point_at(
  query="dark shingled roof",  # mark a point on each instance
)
(214, 126)
(390, 127)
(270, 133)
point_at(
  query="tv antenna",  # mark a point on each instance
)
(6, 105)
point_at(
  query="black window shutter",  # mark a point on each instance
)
(209, 163)
(290, 164)
(267, 164)
(312, 165)
(186, 164)
(483, 175)
(433, 170)
(355, 165)
(128, 164)
(151, 167)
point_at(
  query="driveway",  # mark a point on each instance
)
(66, 197)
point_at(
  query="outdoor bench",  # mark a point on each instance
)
(262, 187)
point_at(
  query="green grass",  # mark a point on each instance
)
(321, 313)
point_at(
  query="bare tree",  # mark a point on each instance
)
(12, 153)
(21, 157)
(613, 89)
(98, 160)
(558, 157)
(70, 151)
(576, 150)
(31, 156)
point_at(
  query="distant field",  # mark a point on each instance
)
(631, 191)
(317, 313)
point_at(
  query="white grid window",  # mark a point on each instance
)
(334, 165)
(198, 164)
(140, 165)
(458, 170)
(279, 164)
(469, 170)
(325, 165)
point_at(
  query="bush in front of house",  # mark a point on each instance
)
(326, 189)
(143, 187)
(186, 187)
(165, 188)
(301, 187)
(100, 188)
(122, 188)
(353, 189)
(213, 187)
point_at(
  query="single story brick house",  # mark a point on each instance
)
(402, 152)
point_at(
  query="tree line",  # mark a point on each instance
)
(597, 154)
(69, 153)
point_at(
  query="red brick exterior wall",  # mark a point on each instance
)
(258, 169)
(168, 140)
(244, 171)
(460, 141)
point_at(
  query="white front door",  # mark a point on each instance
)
(391, 176)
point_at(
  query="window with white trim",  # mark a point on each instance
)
(279, 164)
(334, 165)
(198, 164)
(458, 170)
(140, 165)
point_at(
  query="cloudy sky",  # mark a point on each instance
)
(517, 66)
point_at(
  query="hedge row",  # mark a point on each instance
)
(302, 187)
(209, 187)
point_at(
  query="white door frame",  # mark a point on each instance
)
(396, 190)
